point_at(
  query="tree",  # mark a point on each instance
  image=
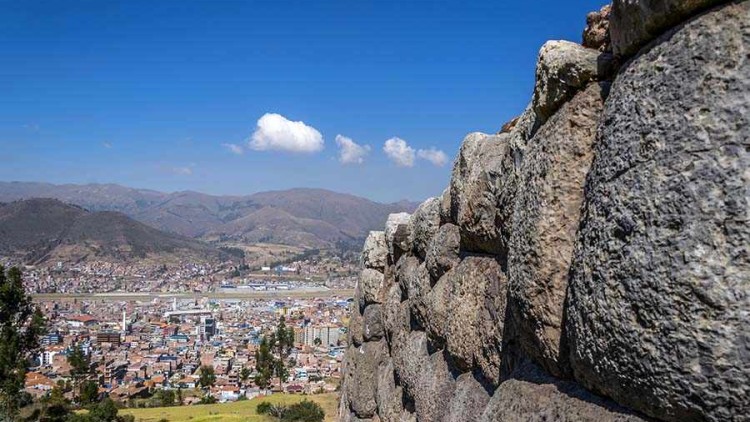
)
(21, 324)
(80, 368)
(180, 401)
(89, 392)
(244, 375)
(164, 398)
(106, 411)
(304, 411)
(263, 408)
(55, 406)
(264, 364)
(207, 399)
(282, 342)
(317, 341)
(207, 376)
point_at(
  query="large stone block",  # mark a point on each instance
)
(373, 322)
(659, 298)
(469, 400)
(474, 329)
(545, 222)
(438, 311)
(442, 253)
(370, 287)
(410, 360)
(362, 368)
(445, 206)
(375, 251)
(562, 69)
(393, 319)
(397, 235)
(596, 34)
(634, 23)
(531, 395)
(436, 385)
(414, 280)
(479, 181)
(390, 395)
(423, 225)
(355, 333)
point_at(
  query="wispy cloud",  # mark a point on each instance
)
(33, 127)
(182, 171)
(433, 155)
(276, 132)
(399, 152)
(234, 148)
(351, 152)
(107, 145)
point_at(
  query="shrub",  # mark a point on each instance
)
(263, 408)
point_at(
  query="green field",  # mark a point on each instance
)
(240, 411)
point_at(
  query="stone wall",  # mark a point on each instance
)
(592, 260)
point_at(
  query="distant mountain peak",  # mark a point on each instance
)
(307, 217)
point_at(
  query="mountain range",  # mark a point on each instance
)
(43, 230)
(307, 218)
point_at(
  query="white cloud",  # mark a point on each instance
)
(351, 152)
(433, 155)
(399, 152)
(182, 171)
(276, 132)
(107, 145)
(234, 148)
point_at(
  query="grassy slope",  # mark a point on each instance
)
(241, 411)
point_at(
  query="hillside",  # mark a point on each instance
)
(41, 230)
(313, 218)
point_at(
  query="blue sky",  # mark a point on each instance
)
(156, 94)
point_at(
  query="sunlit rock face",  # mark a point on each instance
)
(588, 263)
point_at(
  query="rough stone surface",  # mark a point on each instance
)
(596, 34)
(445, 207)
(532, 396)
(410, 360)
(407, 416)
(659, 295)
(393, 320)
(478, 182)
(389, 395)
(437, 312)
(476, 314)
(375, 252)
(356, 327)
(362, 365)
(397, 235)
(611, 216)
(545, 221)
(414, 280)
(509, 125)
(436, 385)
(423, 225)
(373, 322)
(634, 23)
(562, 69)
(442, 254)
(370, 286)
(468, 401)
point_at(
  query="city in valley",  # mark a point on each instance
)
(145, 330)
